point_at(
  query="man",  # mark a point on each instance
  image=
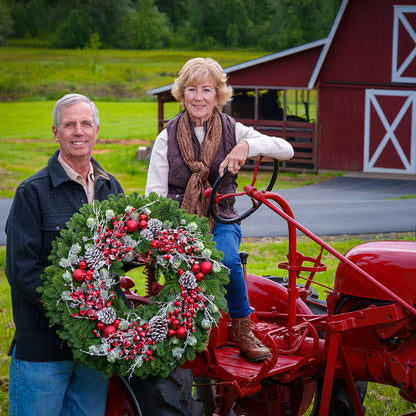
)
(44, 379)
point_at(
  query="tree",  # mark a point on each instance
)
(6, 22)
(144, 28)
(300, 21)
(177, 11)
(224, 21)
(107, 17)
(76, 31)
(194, 24)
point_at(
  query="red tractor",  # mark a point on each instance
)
(324, 352)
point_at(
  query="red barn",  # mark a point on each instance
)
(347, 102)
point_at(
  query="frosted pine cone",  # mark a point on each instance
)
(158, 328)
(107, 315)
(188, 280)
(154, 225)
(95, 258)
(147, 234)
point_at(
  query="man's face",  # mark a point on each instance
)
(76, 133)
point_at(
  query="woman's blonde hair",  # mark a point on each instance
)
(198, 69)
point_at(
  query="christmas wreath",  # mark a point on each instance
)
(81, 293)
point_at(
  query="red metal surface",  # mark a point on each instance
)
(388, 262)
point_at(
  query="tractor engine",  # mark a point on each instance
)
(379, 335)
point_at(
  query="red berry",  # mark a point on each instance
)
(206, 267)
(131, 226)
(78, 275)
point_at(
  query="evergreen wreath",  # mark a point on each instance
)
(81, 296)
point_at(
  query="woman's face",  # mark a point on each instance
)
(200, 98)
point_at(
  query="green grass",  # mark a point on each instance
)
(118, 120)
(26, 141)
(47, 74)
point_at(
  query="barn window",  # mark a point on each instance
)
(404, 44)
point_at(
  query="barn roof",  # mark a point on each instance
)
(254, 64)
(327, 45)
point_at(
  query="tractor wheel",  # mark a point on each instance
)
(171, 396)
(204, 392)
(340, 404)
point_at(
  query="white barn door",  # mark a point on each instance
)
(390, 131)
(390, 115)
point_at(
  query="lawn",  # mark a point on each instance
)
(26, 141)
(39, 74)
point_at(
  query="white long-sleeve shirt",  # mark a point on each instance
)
(259, 145)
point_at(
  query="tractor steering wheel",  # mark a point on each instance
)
(214, 198)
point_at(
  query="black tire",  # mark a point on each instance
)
(171, 396)
(204, 393)
(340, 404)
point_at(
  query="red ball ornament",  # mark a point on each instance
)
(143, 217)
(171, 333)
(200, 276)
(131, 226)
(78, 275)
(176, 323)
(206, 267)
(143, 224)
(109, 330)
(195, 268)
(181, 332)
(100, 326)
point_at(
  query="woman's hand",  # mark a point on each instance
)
(235, 159)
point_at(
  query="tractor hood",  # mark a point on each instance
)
(391, 263)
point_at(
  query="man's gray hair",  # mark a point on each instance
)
(67, 101)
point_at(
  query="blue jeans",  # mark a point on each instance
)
(56, 388)
(227, 238)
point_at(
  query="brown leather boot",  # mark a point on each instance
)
(247, 343)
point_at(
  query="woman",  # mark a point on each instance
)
(187, 157)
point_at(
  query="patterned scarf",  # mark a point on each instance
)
(194, 200)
